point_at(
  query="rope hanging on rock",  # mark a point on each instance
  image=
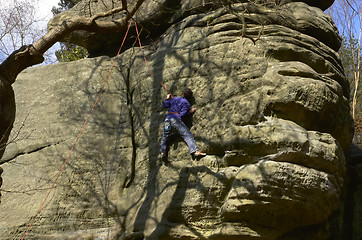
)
(148, 66)
(80, 133)
(89, 115)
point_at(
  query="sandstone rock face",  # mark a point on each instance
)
(272, 115)
(154, 16)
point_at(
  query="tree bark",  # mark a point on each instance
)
(31, 55)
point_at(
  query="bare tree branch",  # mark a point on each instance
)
(348, 16)
(33, 54)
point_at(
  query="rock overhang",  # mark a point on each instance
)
(156, 18)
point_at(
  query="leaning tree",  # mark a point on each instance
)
(32, 55)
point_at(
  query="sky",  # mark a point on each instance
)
(43, 12)
(338, 15)
(45, 7)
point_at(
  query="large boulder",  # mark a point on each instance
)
(154, 16)
(273, 116)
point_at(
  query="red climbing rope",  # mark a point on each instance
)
(148, 66)
(80, 133)
(89, 115)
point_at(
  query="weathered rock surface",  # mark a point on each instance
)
(272, 115)
(155, 17)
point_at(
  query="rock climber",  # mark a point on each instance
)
(178, 107)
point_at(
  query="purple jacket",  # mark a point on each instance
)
(177, 105)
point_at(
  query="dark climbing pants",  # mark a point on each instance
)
(175, 125)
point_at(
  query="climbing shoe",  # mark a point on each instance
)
(164, 158)
(197, 155)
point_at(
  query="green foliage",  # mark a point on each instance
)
(68, 53)
(64, 5)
